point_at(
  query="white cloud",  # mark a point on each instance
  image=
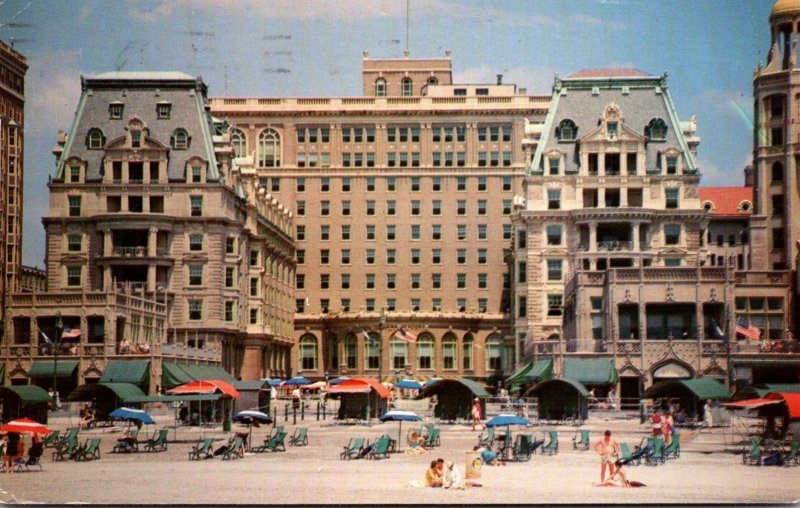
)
(52, 90)
(160, 11)
(714, 176)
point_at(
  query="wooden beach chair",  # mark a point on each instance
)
(234, 451)
(353, 449)
(551, 448)
(159, 444)
(674, 448)
(203, 449)
(90, 451)
(300, 437)
(581, 440)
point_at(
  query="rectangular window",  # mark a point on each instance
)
(522, 272)
(483, 281)
(370, 281)
(507, 231)
(346, 159)
(415, 281)
(196, 242)
(554, 305)
(506, 207)
(300, 281)
(195, 275)
(403, 159)
(324, 256)
(482, 133)
(325, 232)
(672, 234)
(483, 232)
(415, 134)
(253, 257)
(391, 207)
(522, 239)
(461, 281)
(391, 184)
(74, 243)
(325, 208)
(301, 208)
(229, 311)
(370, 232)
(461, 158)
(436, 256)
(370, 207)
(482, 256)
(391, 256)
(415, 159)
(436, 281)
(436, 232)
(73, 276)
(437, 158)
(391, 281)
(253, 316)
(324, 281)
(672, 165)
(415, 256)
(481, 158)
(391, 232)
(436, 207)
(325, 184)
(461, 232)
(672, 198)
(196, 206)
(229, 273)
(346, 207)
(416, 232)
(554, 269)
(253, 286)
(195, 310)
(358, 159)
(553, 199)
(553, 234)
(506, 159)
(461, 207)
(415, 207)
(371, 184)
(461, 256)
(482, 206)
(345, 231)
(74, 206)
(370, 256)
(345, 256)
(370, 159)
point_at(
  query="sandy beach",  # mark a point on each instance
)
(315, 475)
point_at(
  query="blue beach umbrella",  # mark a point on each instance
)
(400, 416)
(274, 382)
(131, 415)
(408, 384)
(249, 416)
(297, 381)
(338, 380)
(504, 420)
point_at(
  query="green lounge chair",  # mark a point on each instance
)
(522, 448)
(66, 450)
(159, 444)
(51, 439)
(276, 443)
(433, 438)
(300, 437)
(274, 432)
(657, 456)
(582, 443)
(90, 451)
(202, 450)
(488, 439)
(234, 451)
(72, 433)
(551, 448)
(353, 449)
(674, 448)
(791, 458)
(381, 449)
(127, 445)
(753, 456)
(625, 450)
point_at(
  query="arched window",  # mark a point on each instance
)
(308, 353)
(95, 139)
(469, 343)
(433, 81)
(777, 171)
(239, 142)
(269, 149)
(180, 139)
(745, 206)
(372, 351)
(380, 87)
(425, 352)
(406, 87)
(449, 352)
(494, 353)
(656, 129)
(351, 351)
(399, 352)
(566, 130)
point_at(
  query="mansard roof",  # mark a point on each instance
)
(139, 94)
(728, 201)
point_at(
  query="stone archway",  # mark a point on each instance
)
(671, 369)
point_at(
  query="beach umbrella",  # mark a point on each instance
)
(400, 416)
(297, 381)
(25, 425)
(131, 415)
(250, 417)
(275, 382)
(315, 386)
(504, 420)
(338, 380)
(408, 384)
(432, 380)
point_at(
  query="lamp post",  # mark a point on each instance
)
(381, 322)
(59, 331)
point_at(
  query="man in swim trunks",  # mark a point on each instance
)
(608, 448)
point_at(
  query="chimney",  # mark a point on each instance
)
(748, 176)
(499, 79)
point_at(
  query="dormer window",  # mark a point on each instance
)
(656, 130)
(163, 110)
(566, 130)
(136, 139)
(180, 139)
(745, 206)
(95, 139)
(115, 110)
(612, 128)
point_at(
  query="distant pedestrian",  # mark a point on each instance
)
(708, 420)
(477, 414)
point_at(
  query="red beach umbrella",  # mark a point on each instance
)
(25, 425)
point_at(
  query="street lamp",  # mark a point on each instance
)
(381, 322)
(59, 331)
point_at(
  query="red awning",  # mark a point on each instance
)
(792, 402)
(360, 385)
(751, 403)
(206, 386)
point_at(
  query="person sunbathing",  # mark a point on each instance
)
(618, 479)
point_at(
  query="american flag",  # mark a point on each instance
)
(366, 336)
(71, 333)
(405, 335)
(748, 330)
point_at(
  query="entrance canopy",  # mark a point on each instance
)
(454, 397)
(591, 371)
(561, 398)
(105, 391)
(44, 368)
(532, 373)
(702, 389)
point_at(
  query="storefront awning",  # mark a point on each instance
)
(360, 385)
(123, 391)
(590, 371)
(44, 368)
(176, 374)
(703, 388)
(175, 398)
(28, 394)
(126, 371)
(517, 378)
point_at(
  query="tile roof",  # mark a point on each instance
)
(610, 73)
(727, 200)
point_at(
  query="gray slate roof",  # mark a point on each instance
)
(140, 92)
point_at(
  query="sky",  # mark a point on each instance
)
(307, 48)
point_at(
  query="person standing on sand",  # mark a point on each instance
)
(608, 448)
(476, 414)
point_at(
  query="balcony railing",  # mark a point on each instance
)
(136, 252)
(613, 245)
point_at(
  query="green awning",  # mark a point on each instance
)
(172, 375)
(29, 394)
(542, 370)
(175, 398)
(706, 388)
(251, 385)
(176, 374)
(590, 371)
(202, 372)
(123, 391)
(517, 377)
(44, 368)
(558, 384)
(126, 371)
(478, 389)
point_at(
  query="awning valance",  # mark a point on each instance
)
(261, 384)
(702, 388)
(126, 371)
(29, 394)
(44, 368)
(176, 374)
(590, 371)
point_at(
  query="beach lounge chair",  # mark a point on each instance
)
(275, 444)
(66, 450)
(33, 459)
(234, 451)
(158, 444)
(657, 456)
(581, 440)
(51, 439)
(273, 432)
(523, 448)
(70, 435)
(300, 437)
(127, 445)
(791, 458)
(353, 449)
(432, 439)
(202, 450)
(381, 449)
(752, 456)
(90, 451)
(488, 439)
(674, 448)
(551, 448)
